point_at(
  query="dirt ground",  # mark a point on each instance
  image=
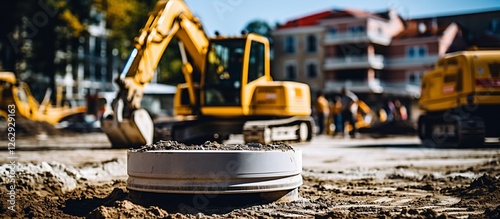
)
(384, 179)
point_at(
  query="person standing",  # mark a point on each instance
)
(400, 112)
(336, 115)
(389, 110)
(349, 108)
(322, 110)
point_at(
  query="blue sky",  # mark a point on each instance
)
(230, 16)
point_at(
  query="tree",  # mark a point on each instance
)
(36, 31)
(43, 37)
(124, 19)
(263, 28)
(170, 66)
(260, 27)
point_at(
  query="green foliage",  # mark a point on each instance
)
(170, 66)
(260, 27)
(124, 19)
(33, 32)
(73, 22)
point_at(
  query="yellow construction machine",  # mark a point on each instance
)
(15, 94)
(228, 87)
(460, 99)
(365, 118)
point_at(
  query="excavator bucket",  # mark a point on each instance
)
(128, 133)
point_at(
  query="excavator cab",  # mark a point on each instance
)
(224, 73)
(232, 64)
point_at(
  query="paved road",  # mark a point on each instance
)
(376, 158)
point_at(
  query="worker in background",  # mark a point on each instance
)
(400, 112)
(321, 110)
(336, 115)
(349, 108)
(389, 110)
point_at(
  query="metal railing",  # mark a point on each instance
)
(349, 62)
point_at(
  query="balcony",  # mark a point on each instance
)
(374, 86)
(408, 62)
(402, 89)
(354, 62)
(350, 37)
(362, 86)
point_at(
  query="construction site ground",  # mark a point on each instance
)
(79, 175)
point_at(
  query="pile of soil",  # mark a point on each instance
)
(484, 191)
(174, 145)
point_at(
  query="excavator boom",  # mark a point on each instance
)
(130, 125)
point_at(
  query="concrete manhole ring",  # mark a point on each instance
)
(215, 171)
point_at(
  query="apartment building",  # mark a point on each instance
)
(377, 55)
(299, 51)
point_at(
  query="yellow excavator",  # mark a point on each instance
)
(460, 100)
(28, 110)
(228, 87)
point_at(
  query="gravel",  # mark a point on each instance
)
(174, 145)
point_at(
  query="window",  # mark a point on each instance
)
(450, 78)
(256, 63)
(416, 51)
(415, 77)
(312, 70)
(495, 25)
(357, 29)
(312, 44)
(291, 72)
(422, 51)
(332, 30)
(494, 70)
(411, 53)
(223, 72)
(290, 44)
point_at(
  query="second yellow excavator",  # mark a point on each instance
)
(16, 96)
(228, 87)
(461, 99)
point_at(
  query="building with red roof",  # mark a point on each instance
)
(376, 55)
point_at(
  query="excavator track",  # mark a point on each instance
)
(294, 129)
(451, 131)
(197, 131)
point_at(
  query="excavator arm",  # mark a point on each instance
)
(129, 125)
